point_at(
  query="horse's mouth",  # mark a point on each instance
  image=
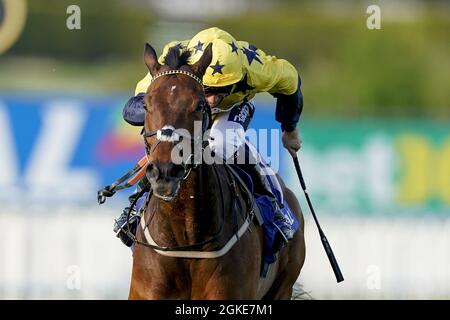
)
(165, 198)
(169, 197)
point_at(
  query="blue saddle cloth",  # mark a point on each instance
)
(270, 226)
(141, 202)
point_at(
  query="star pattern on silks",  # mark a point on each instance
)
(243, 86)
(252, 47)
(217, 67)
(198, 46)
(251, 55)
(234, 48)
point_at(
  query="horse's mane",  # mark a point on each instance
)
(174, 59)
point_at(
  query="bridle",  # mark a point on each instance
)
(170, 134)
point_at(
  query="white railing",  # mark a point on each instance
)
(381, 258)
(71, 253)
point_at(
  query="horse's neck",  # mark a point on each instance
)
(195, 215)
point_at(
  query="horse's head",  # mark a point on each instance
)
(174, 101)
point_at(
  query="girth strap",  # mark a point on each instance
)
(193, 254)
(198, 254)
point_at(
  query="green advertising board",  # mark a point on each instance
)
(376, 166)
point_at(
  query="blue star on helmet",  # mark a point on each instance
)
(251, 55)
(234, 48)
(198, 46)
(217, 68)
(252, 47)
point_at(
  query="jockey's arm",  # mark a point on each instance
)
(289, 108)
(279, 78)
(285, 85)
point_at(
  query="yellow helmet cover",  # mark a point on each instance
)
(226, 65)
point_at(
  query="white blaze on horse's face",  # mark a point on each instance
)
(172, 89)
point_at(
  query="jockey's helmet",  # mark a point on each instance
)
(226, 66)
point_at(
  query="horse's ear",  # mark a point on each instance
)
(201, 65)
(151, 60)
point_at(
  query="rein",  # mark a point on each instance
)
(166, 133)
(169, 134)
(138, 172)
(187, 251)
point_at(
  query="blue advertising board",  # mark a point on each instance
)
(61, 148)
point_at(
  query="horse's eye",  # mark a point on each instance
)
(146, 103)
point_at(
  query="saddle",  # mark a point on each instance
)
(274, 239)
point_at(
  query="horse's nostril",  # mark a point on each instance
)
(152, 171)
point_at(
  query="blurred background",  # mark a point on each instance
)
(375, 129)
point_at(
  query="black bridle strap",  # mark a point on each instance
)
(170, 134)
(166, 133)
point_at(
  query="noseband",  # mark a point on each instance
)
(170, 134)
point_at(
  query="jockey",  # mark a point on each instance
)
(237, 72)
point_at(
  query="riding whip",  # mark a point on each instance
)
(325, 243)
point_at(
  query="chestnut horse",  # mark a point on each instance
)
(193, 214)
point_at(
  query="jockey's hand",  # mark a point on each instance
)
(291, 141)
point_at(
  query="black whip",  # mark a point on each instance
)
(325, 243)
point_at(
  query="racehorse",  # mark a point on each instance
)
(193, 213)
